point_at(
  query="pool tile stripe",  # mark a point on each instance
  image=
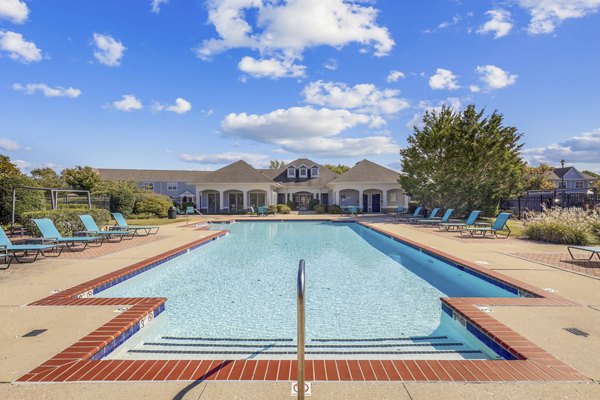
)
(82, 362)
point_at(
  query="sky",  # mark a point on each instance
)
(195, 85)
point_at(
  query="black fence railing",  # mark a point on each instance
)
(538, 201)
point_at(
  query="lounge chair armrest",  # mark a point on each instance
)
(481, 224)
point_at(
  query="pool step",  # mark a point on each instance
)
(430, 347)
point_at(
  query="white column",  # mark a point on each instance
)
(245, 199)
(385, 199)
(336, 197)
(221, 203)
(360, 200)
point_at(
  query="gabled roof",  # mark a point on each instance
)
(280, 175)
(238, 172)
(150, 175)
(559, 173)
(367, 171)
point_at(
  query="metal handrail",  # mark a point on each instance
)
(301, 330)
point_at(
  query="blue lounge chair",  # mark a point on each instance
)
(431, 216)
(192, 211)
(470, 221)
(416, 214)
(22, 252)
(591, 249)
(91, 229)
(122, 225)
(400, 210)
(434, 221)
(262, 210)
(499, 225)
(51, 235)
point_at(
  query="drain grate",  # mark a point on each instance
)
(577, 332)
(35, 332)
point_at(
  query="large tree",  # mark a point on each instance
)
(27, 200)
(462, 160)
(276, 164)
(81, 178)
(536, 178)
(47, 177)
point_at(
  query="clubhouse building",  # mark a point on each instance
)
(238, 186)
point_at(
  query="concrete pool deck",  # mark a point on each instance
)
(23, 284)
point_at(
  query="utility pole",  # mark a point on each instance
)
(562, 185)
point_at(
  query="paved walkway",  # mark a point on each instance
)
(564, 261)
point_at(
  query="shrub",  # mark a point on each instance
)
(272, 209)
(27, 200)
(142, 216)
(122, 200)
(312, 204)
(67, 220)
(152, 203)
(292, 205)
(283, 209)
(335, 209)
(563, 226)
(320, 209)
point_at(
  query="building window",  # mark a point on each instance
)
(148, 185)
(314, 172)
(579, 185)
(393, 197)
(172, 186)
(291, 172)
(303, 172)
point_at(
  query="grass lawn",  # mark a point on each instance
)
(516, 227)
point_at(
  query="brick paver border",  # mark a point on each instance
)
(82, 362)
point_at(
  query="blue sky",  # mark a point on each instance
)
(190, 84)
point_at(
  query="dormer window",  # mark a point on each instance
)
(314, 172)
(291, 172)
(303, 172)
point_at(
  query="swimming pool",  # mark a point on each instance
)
(366, 295)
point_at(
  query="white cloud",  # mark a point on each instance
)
(15, 11)
(546, 15)
(108, 50)
(286, 29)
(18, 48)
(257, 160)
(443, 79)
(331, 64)
(23, 165)
(127, 103)
(181, 106)
(584, 148)
(454, 103)
(155, 5)
(395, 75)
(48, 91)
(271, 68)
(495, 77)
(9, 145)
(474, 88)
(307, 130)
(500, 23)
(365, 98)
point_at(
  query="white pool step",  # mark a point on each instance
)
(438, 347)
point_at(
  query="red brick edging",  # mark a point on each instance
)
(77, 363)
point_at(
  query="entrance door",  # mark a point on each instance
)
(236, 202)
(376, 202)
(365, 203)
(213, 203)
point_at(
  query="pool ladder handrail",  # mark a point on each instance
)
(300, 331)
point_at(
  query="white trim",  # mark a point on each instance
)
(172, 186)
(291, 168)
(312, 169)
(303, 169)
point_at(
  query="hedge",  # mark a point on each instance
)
(67, 220)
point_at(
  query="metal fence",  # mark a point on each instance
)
(537, 201)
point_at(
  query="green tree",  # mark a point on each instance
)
(47, 177)
(81, 178)
(462, 160)
(536, 178)
(27, 200)
(122, 195)
(276, 164)
(338, 169)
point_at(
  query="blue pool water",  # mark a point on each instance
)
(359, 284)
